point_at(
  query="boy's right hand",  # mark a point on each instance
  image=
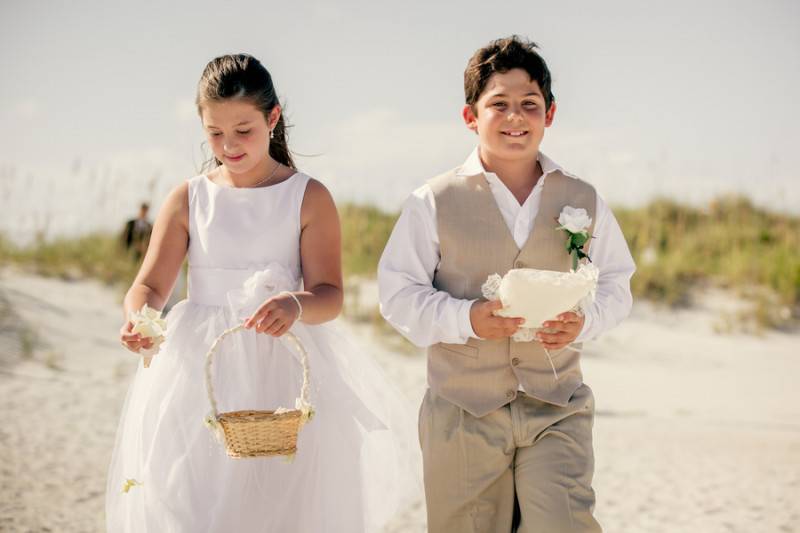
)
(133, 341)
(486, 325)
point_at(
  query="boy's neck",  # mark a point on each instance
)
(520, 176)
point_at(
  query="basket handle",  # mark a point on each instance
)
(293, 340)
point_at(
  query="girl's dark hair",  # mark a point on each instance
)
(501, 56)
(243, 76)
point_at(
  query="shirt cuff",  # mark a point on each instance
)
(586, 331)
(464, 323)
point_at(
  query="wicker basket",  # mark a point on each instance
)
(259, 433)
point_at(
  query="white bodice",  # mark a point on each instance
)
(234, 232)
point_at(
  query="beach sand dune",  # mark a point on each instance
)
(695, 432)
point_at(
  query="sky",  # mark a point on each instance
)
(688, 99)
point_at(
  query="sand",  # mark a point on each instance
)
(695, 431)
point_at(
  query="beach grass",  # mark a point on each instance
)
(365, 230)
(99, 256)
(729, 243)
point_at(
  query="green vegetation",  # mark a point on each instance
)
(98, 256)
(729, 244)
(365, 231)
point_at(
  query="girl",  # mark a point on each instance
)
(263, 242)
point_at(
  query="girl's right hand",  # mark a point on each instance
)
(133, 341)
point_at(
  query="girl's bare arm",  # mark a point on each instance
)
(321, 262)
(162, 262)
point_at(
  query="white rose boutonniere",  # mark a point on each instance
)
(148, 323)
(575, 222)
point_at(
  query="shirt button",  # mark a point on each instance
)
(515, 361)
(509, 394)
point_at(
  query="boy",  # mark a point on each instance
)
(505, 444)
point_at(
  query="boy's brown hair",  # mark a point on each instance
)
(501, 56)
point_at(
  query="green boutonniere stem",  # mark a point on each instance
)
(575, 223)
(574, 246)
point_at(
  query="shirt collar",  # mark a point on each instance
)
(473, 166)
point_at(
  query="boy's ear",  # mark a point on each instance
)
(469, 118)
(548, 117)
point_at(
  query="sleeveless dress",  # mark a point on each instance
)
(355, 460)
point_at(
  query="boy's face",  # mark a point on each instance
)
(510, 117)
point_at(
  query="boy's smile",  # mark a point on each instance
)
(510, 117)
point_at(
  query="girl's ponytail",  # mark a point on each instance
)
(278, 144)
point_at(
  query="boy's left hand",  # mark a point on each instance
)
(561, 331)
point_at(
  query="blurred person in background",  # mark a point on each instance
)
(136, 234)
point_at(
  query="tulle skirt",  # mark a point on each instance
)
(356, 461)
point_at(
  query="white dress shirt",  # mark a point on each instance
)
(426, 315)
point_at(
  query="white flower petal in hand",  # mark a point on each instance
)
(148, 323)
(150, 313)
(154, 348)
(148, 328)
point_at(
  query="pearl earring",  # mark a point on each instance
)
(271, 134)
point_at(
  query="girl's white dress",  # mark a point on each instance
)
(356, 458)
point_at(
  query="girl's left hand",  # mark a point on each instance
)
(275, 316)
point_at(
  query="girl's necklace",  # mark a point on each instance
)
(265, 180)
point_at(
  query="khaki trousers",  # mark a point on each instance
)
(526, 467)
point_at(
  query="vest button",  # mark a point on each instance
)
(509, 394)
(517, 264)
(515, 361)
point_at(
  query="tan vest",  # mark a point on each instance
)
(475, 241)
